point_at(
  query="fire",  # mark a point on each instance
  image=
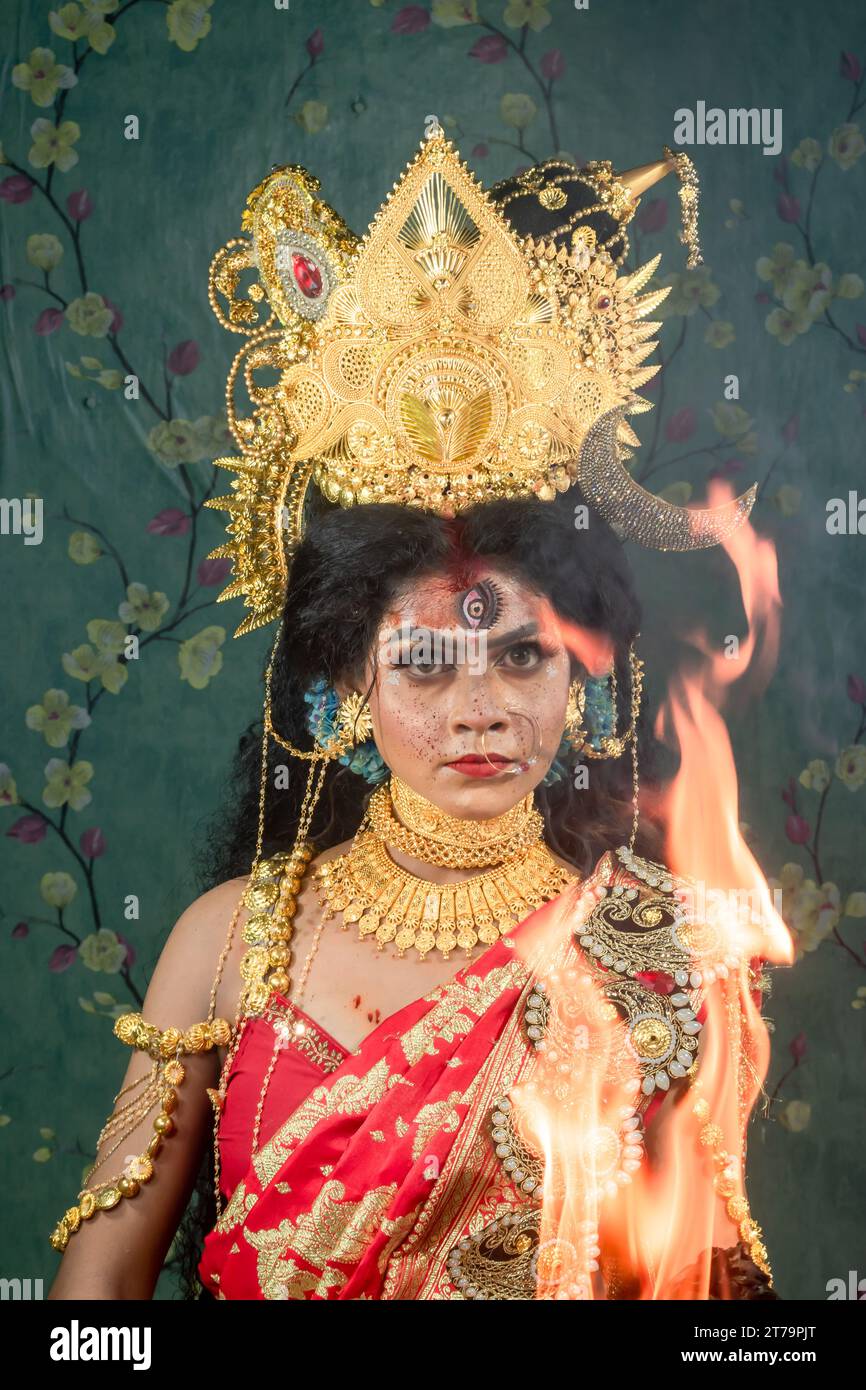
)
(659, 1201)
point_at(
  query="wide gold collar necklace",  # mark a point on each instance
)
(391, 904)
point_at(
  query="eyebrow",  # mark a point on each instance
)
(517, 634)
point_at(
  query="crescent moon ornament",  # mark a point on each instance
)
(638, 515)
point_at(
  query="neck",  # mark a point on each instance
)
(442, 848)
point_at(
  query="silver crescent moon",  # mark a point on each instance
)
(639, 515)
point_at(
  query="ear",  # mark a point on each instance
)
(346, 685)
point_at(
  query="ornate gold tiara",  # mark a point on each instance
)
(440, 362)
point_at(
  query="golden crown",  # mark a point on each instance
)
(439, 362)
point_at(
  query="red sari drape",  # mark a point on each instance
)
(362, 1189)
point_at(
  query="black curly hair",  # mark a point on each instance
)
(348, 568)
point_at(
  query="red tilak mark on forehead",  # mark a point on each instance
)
(462, 566)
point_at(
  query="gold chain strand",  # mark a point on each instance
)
(273, 885)
(279, 1041)
(711, 1137)
(217, 1094)
(689, 193)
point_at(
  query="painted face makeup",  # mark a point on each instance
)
(479, 606)
(474, 717)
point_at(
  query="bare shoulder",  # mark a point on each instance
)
(205, 948)
(208, 936)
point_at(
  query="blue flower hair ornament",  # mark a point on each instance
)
(321, 721)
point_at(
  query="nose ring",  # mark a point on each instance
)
(525, 763)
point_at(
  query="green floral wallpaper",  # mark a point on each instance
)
(131, 134)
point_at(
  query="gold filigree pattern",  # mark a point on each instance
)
(441, 361)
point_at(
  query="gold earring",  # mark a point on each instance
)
(611, 745)
(575, 733)
(354, 719)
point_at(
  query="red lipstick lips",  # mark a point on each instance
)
(476, 765)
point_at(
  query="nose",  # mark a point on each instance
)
(475, 710)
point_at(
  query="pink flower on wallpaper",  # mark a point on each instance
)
(553, 65)
(762, 297)
(728, 469)
(857, 690)
(653, 216)
(79, 205)
(19, 931)
(184, 358)
(62, 957)
(788, 207)
(7, 292)
(412, 19)
(29, 830)
(480, 151)
(861, 334)
(491, 49)
(117, 316)
(797, 830)
(850, 67)
(130, 950)
(681, 425)
(789, 794)
(92, 843)
(798, 1047)
(48, 322)
(171, 521)
(211, 572)
(16, 189)
(315, 44)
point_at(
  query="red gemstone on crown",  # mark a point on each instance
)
(308, 277)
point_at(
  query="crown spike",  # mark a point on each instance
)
(643, 176)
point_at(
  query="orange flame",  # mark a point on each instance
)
(645, 1228)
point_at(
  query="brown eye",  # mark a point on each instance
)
(603, 302)
(524, 655)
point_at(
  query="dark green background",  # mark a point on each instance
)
(212, 122)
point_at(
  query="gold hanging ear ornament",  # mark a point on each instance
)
(611, 745)
(439, 362)
(354, 723)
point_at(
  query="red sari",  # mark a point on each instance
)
(372, 1165)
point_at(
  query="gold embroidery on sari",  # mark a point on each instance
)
(348, 1095)
(236, 1209)
(471, 1180)
(441, 1114)
(446, 1021)
(397, 1230)
(332, 1230)
(310, 1041)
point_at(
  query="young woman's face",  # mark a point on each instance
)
(469, 694)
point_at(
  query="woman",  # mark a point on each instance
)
(392, 1121)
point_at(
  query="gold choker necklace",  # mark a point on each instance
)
(410, 823)
(390, 904)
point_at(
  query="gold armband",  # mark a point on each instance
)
(166, 1047)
